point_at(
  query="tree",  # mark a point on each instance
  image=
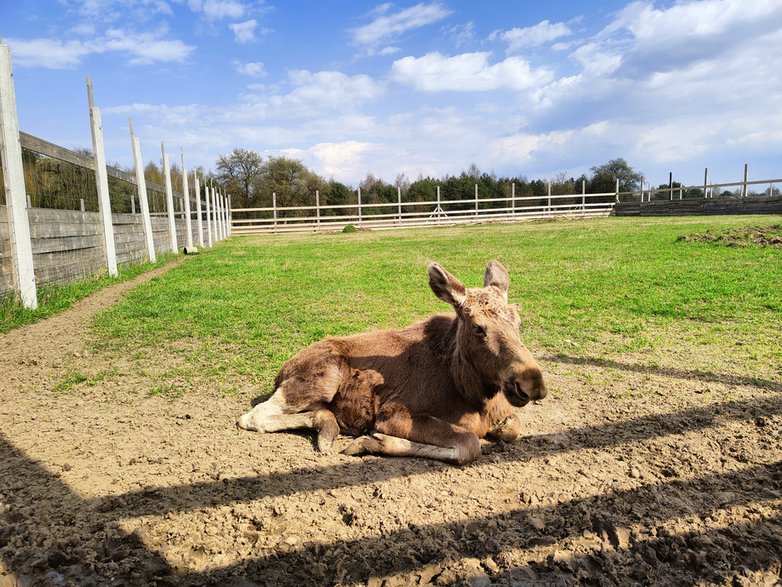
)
(604, 177)
(239, 172)
(290, 180)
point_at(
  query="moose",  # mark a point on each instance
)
(430, 390)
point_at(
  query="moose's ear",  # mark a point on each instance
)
(445, 286)
(497, 276)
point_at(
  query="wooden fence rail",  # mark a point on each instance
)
(439, 212)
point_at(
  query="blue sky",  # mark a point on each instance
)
(350, 88)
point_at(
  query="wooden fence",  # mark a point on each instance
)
(401, 214)
(64, 215)
(701, 199)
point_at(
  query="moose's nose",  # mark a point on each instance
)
(526, 386)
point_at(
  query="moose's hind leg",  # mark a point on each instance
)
(299, 402)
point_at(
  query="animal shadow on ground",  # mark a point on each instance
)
(38, 500)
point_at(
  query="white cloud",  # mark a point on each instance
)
(253, 69)
(541, 33)
(327, 90)
(144, 48)
(244, 32)
(343, 161)
(461, 35)
(386, 26)
(594, 59)
(218, 9)
(468, 72)
(47, 53)
(140, 48)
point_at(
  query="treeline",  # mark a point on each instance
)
(253, 181)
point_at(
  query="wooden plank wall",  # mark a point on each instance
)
(702, 206)
(68, 244)
(6, 262)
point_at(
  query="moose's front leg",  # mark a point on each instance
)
(398, 433)
(506, 430)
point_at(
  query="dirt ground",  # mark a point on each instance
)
(627, 475)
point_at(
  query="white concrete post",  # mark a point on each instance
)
(476, 199)
(220, 212)
(186, 195)
(208, 216)
(102, 182)
(317, 207)
(513, 198)
(230, 217)
(169, 199)
(399, 201)
(215, 211)
(220, 224)
(199, 222)
(224, 202)
(143, 201)
(13, 180)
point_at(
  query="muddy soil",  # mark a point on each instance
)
(628, 474)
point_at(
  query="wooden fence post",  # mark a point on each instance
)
(583, 195)
(476, 199)
(513, 198)
(359, 206)
(13, 179)
(199, 221)
(548, 189)
(143, 201)
(317, 208)
(670, 185)
(617, 190)
(399, 201)
(274, 210)
(744, 183)
(186, 196)
(705, 182)
(102, 182)
(169, 199)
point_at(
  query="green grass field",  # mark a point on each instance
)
(56, 298)
(595, 290)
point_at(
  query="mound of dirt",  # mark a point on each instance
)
(763, 236)
(628, 474)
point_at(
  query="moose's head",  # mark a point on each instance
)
(487, 336)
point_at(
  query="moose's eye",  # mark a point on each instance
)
(480, 331)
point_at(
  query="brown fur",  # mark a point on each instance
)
(432, 389)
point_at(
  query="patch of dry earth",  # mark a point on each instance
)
(627, 475)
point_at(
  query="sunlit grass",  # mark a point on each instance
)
(594, 288)
(54, 298)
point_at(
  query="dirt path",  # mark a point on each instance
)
(627, 475)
